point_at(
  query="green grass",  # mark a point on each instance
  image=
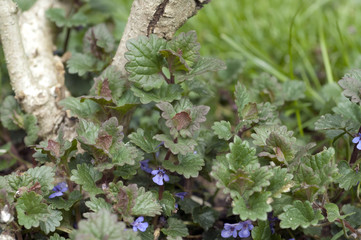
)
(313, 41)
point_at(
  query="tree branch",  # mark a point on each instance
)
(37, 76)
(161, 17)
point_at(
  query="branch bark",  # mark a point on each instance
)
(161, 17)
(36, 75)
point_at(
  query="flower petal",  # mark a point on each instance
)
(356, 139)
(143, 226)
(158, 179)
(244, 233)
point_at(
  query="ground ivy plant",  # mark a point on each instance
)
(149, 161)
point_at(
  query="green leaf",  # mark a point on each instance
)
(66, 204)
(56, 237)
(116, 81)
(95, 204)
(263, 232)
(44, 175)
(175, 61)
(144, 140)
(223, 130)
(51, 221)
(241, 98)
(299, 214)
(348, 110)
(87, 132)
(122, 154)
(256, 207)
(99, 36)
(167, 203)
(333, 212)
(86, 176)
(347, 176)
(167, 93)
(351, 83)
(102, 225)
(187, 165)
(188, 205)
(145, 62)
(9, 111)
(57, 15)
(188, 45)
(183, 119)
(176, 228)
(317, 171)
(335, 125)
(250, 112)
(241, 154)
(146, 204)
(30, 210)
(183, 146)
(262, 133)
(280, 182)
(31, 128)
(283, 148)
(205, 216)
(82, 63)
(204, 65)
(353, 214)
(83, 109)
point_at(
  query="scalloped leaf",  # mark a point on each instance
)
(223, 130)
(100, 225)
(205, 216)
(30, 210)
(98, 36)
(335, 125)
(144, 140)
(82, 63)
(188, 45)
(146, 204)
(256, 207)
(81, 108)
(145, 62)
(9, 111)
(183, 145)
(167, 203)
(166, 93)
(86, 176)
(347, 176)
(51, 221)
(176, 228)
(187, 165)
(351, 83)
(241, 154)
(299, 214)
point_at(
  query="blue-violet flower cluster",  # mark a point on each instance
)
(59, 190)
(357, 140)
(160, 176)
(138, 224)
(244, 229)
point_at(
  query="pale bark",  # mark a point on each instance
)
(37, 76)
(161, 17)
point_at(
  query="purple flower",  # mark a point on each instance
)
(230, 230)
(59, 190)
(246, 228)
(272, 221)
(145, 167)
(159, 176)
(357, 140)
(138, 224)
(157, 153)
(181, 195)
